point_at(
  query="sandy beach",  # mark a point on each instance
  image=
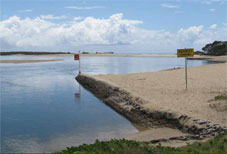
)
(165, 90)
(28, 61)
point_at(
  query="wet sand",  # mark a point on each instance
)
(28, 61)
(153, 134)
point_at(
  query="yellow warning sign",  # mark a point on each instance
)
(185, 52)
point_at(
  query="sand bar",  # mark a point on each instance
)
(100, 55)
(196, 57)
(28, 61)
(165, 90)
(129, 55)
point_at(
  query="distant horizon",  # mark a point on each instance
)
(99, 52)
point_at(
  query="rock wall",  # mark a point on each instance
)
(131, 108)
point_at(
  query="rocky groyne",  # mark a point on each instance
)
(132, 108)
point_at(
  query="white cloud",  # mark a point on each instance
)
(198, 36)
(52, 17)
(77, 18)
(94, 34)
(85, 8)
(179, 12)
(37, 32)
(26, 11)
(209, 2)
(190, 35)
(170, 6)
(214, 26)
(212, 10)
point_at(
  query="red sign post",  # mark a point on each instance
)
(77, 57)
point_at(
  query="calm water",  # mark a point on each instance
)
(41, 113)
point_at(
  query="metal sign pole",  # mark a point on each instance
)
(185, 53)
(79, 90)
(79, 63)
(186, 77)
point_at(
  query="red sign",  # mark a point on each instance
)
(76, 57)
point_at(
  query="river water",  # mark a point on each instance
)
(42, 112)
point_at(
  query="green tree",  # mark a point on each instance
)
(217, 48)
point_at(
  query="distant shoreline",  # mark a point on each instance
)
(7, 53)
(127, 55)
(24, 53)
(221, 59)
(28, 61)
(67, 54)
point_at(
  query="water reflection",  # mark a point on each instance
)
(77, 94)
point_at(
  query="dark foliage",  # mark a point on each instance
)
(217, 48)
(199, 53)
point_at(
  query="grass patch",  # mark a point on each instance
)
(221, 97)
(216, 145)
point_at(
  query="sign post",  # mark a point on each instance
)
(77, 57)
(186, 75)
(185, 53)
(79, 63)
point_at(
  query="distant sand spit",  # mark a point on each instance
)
(196, 57)
(101, 55)
(28, 61)
(130, 55)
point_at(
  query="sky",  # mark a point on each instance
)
(120, 26)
